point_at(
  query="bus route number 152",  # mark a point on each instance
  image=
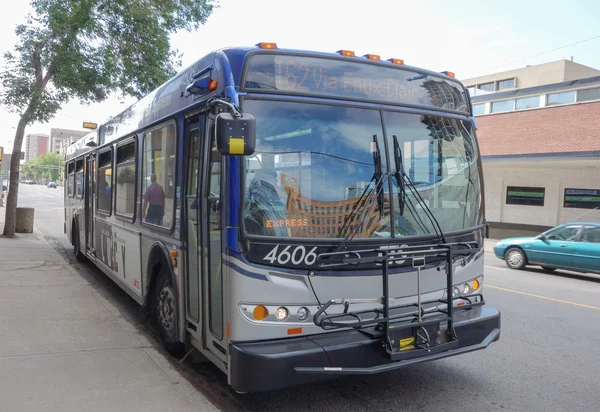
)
(297, 256)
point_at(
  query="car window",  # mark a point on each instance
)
(563, 233)
(591, 234)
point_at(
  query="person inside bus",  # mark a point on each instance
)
(104, 202)
(154, 202)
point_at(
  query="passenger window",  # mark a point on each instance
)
(125, 184)
(105, 188)
(591, 235)
(158, 184)
(71, 180)
(79, 179)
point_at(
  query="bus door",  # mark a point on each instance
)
(191, 227)
(214, 305)
(89, 203)
(205, 307)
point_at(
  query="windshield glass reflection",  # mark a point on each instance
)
(313, 173)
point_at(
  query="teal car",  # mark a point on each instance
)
(571, 246)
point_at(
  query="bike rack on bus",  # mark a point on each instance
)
(406, 335)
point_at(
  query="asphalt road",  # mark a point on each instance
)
(547, 359)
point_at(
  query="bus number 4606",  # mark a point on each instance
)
(297, 256)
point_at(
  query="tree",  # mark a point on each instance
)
(45, 167)
(87, 49)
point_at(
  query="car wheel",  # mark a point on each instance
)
(515, 258)
(548, 269)
(166, 315)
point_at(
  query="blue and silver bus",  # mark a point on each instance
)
(292, 216)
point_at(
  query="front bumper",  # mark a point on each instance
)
(499, 251)
(262, 366)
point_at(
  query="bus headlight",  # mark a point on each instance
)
(466, 289)
(303, 314)
(282, 313)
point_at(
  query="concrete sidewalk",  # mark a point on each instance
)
(64, 347)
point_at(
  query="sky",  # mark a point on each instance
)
(469, 38)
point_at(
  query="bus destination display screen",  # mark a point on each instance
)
(351, 79)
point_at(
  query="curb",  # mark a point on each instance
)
(59, 257)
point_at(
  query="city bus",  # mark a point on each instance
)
(292, 216)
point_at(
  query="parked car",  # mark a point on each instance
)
(51, 184)
(572, 246)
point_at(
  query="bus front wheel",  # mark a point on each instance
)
(76, 245)
(166, 315)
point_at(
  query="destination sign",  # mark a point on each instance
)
(352, 79)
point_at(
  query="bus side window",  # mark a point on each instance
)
(70, 179)
(104, 188)
(158, 176)
(79, 178)
(125, 180)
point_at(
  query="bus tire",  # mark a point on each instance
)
(166, 315)
(76, 246)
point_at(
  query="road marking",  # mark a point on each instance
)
(496, 267)
(543, 297)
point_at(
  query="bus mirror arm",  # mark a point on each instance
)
(214, 203)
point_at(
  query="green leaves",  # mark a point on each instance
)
(45, 167)
(86, 49)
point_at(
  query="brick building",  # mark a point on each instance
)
(539, 135)
(35, 145)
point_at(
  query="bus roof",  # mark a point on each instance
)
(171, 97)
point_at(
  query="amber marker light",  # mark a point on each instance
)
(347, 53)
(399, 62)
(264, 45)
(260, 312)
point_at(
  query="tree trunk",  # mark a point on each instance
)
(13, 186)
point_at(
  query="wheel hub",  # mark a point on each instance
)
(515, 258)
(166, 309)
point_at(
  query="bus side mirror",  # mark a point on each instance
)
(236, 135)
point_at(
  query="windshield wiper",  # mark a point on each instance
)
(402, 179)
(377, 179)
(398, 174)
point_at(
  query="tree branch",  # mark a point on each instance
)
(47, 77)
(38, 66)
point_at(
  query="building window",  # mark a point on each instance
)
(486, 86)
(126, 177)
(506, 84)
(527, 102)
(527, 196)
(561, 98)
(158, 184)
(105, 181)
(582, 198)
(588, 94)
(478, 109)
(503, 106)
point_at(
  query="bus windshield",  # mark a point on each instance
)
(314, 175)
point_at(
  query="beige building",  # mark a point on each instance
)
(64, 135)
(530, 76)
(540, 146)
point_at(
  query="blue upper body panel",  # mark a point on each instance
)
(225, 66)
